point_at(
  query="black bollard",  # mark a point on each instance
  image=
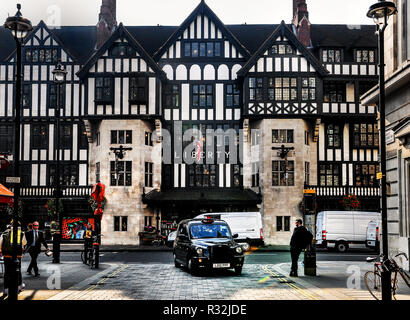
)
(309, 260)
(56, 247)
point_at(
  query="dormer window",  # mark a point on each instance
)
(332, 55)
(365, 56)
(122, 50)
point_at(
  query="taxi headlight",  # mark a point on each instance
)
(245, 246)
(238, 249)
(199, 251)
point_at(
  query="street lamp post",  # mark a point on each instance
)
(380, 13)
(19, 28)
(59, 75)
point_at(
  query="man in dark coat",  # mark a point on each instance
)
(298, 243)
(34, 240)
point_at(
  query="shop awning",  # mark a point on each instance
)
(200, 196)
(6, 196)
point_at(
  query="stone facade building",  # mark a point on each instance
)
(289, 93)
(397, 55)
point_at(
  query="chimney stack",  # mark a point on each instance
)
(107, 21)
(301, 21)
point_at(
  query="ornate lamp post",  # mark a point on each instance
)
(19, 28)
(59, 75)
(380, 13)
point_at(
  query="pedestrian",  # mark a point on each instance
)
(29, 227)
(88, 241)
(34, 240)
(299, 241)
(6, 249)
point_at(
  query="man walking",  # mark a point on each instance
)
(34, 240)
(6, 249)
(299, 241)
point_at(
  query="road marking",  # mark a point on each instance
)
(289, 283)
(92, 287)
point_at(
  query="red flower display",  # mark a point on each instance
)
(350, 202)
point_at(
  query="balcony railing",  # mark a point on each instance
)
(341, 191)
(49, 192)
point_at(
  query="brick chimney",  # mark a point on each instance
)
(107, 21)
(301, 21)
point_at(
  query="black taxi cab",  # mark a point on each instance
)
(207, 244)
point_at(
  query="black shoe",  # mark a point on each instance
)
(37, 275)
(293, 274)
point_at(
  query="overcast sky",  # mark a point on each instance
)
(173, 12)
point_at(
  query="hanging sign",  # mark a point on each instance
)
(12, 179)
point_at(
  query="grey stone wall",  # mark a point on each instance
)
(124, 200)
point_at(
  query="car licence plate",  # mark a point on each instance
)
(221, 265)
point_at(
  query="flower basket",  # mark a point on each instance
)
(95, 205)
(350, 202)
(10, 209)
(51, 207)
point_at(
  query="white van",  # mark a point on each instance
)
(339, 229)
(248, 225)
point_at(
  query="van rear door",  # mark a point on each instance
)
(361, 222)
(319, 227)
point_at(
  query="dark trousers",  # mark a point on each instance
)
(33, 262)
(88, 244)
(294, 253)
(8, 270)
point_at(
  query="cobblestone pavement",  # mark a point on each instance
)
(136, 282)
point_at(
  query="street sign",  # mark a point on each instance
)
(4, 163)
(309, 191)
(390, 137)
(12, 179)
(379, 175)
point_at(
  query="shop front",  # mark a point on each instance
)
(174, 205)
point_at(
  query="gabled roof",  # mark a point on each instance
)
(43, 25)
(120, 32)
(283, 30)
(201, 8)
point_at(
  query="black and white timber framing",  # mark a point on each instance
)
(173, 57)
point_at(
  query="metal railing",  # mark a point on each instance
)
(46, 191)
(341, 191)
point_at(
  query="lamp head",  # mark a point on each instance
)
(381, 11)
(18, 25)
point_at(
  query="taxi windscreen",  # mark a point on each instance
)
(215, 230)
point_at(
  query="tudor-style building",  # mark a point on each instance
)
(296, 85)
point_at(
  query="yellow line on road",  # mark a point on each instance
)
(123, 267)
(285, 280)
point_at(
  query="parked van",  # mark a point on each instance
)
(339, 229)
(248, 225)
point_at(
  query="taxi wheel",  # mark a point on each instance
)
(176, 263)
(238, 271)
(191, 268)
